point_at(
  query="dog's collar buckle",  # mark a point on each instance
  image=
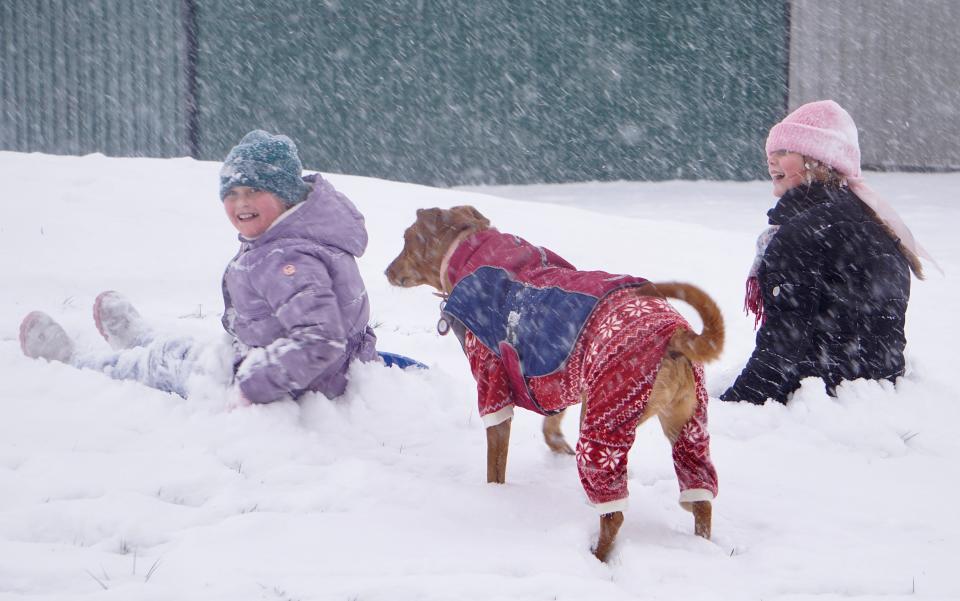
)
(443, 326)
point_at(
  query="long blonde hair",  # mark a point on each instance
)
(815, 171)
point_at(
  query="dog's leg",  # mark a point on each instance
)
(674, 414)
(609, 522)
(702, 518)
(498, 443)
(553, 435)
(609, 526)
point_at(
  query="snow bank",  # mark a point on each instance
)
(108, 488)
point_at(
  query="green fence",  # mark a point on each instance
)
(93, 76)
(431, 91)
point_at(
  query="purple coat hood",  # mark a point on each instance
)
(295, 302)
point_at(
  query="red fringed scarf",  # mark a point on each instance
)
(753, 299)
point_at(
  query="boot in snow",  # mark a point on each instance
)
(43, 338)
(119, 322)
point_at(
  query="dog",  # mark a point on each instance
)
(542, 335)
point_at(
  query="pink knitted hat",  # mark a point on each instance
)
(824, 131)
(821, 130)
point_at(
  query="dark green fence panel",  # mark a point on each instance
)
(93, 76)
(451, 91)
(432, 91)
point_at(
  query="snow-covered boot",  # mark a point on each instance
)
(119, 322)
(43, 338)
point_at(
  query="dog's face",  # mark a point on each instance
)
(427, 240)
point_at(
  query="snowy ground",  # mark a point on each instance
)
(109, 490)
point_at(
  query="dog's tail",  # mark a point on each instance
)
(707, 345)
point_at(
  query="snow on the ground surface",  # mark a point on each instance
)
(109, 490)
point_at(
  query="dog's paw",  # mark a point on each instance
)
(558, 444)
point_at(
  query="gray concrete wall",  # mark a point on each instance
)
(894, 65)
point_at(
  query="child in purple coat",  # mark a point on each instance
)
(296, 307)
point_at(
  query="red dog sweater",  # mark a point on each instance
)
(614, 356)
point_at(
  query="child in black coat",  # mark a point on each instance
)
(831, 279)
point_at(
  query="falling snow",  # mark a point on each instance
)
(113, 490)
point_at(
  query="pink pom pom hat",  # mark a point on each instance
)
(821, 130)
(825, 132)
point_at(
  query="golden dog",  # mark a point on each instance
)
(428, 245)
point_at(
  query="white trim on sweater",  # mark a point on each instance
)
(498, 417)
(611, 506)
(694, 494)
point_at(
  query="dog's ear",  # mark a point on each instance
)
(428, 216)
(432, 220)
(466, 217)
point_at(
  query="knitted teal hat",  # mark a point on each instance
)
(265, 161)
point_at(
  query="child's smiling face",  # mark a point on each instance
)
(252, 210)
(786, 170)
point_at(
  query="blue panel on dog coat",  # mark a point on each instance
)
(542, 324)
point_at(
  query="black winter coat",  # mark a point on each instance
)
(835, 289)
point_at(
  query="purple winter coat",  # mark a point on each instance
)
(295, 302)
